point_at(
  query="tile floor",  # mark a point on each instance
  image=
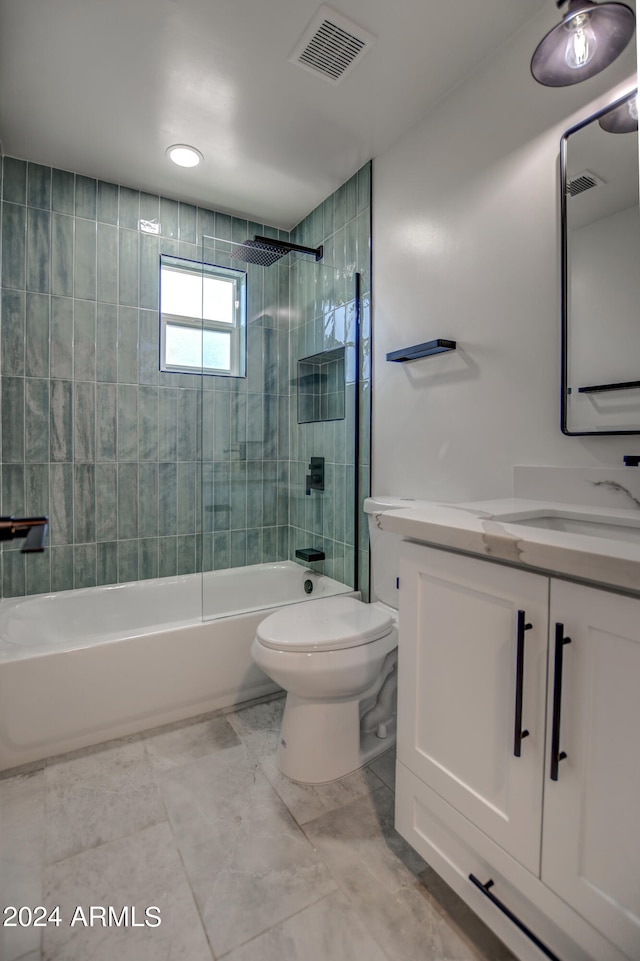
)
(242, 863)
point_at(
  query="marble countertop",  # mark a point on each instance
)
(482, 528)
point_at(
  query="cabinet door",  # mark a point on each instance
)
(458, 681)
(591, 827)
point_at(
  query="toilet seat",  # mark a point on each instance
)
(327, 624)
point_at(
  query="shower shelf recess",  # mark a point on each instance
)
(428, 349)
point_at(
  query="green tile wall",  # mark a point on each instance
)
(323, 317)
(146, 474)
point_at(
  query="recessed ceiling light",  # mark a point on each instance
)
(184, 155)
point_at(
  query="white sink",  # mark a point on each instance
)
(577, 522)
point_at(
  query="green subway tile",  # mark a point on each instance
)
(107, 205)
(14, 245)
(206, 224)
(148, 558)
(269, 544)
(84, 565)
(270, 427)
(127, 561)
(207, 555)
(107, 563)
(36, 441)
(150, 207)
(270, 361)
(254, 546)
(84, 503)
(148, 423)
(255, 440)
(107, 343)
(351, 246)
(364, 187)
(38, 335)
(327, 219)
(13, 492)
(167, 424)
(62, 191)
(186, 553)
(127, 345)
(61, 568)
(221, 551)
(254, 494)
(86, 197)
(283, 543)
(61, 504)
(84, 277)
(127, 422)
(238, 493)
(238, 548)
(14, 181)
(107, 263)
(167, 556)
(351, 198)
(269, 494)
(187, 224)
(149, 347)
(149, 271)
(62, 233)
(13, 574)
(13, 409)
(221, 496)
(61, 428)
(168, 219)
(186, 497)
(128, 267)
(38, 186)
(223, 227)
(207, 401)
(84, 423)
(38, 573)
(127, 501)
(188, 421)
(167, 499)
(84, 340)
(106, 502)
(37, 490)
(129, 208)
(238, 446)
(148, 526)
(13, 329)
(221, 426)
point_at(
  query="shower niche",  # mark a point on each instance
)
(320, 381)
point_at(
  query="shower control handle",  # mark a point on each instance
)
(315, 477)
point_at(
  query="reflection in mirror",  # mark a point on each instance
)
(601, 273)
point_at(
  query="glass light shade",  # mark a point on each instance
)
(588, 39)
(183, 155)
(622, 119)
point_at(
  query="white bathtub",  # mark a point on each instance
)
(81, 667)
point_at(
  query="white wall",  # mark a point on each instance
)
(466, 247)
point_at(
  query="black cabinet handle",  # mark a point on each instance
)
(556, 754)
(518, 733)
(512, 917)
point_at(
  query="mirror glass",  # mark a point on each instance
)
(601, 273)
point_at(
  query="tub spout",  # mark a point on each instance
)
(34, 529)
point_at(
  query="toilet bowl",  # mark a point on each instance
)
(336, 659)
(333, 656)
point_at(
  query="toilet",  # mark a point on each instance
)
(336, 658)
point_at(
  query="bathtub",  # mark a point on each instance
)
(81, 667)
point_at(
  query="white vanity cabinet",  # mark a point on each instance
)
(483, 703)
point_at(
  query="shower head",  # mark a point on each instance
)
(266, 251)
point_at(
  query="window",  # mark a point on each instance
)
(202, 318)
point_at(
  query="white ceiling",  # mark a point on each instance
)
(103, 87)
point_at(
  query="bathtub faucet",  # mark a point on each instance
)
(33, 528)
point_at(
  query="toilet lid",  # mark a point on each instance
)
(326, 624)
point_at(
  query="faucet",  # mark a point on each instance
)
(315, 477)
(33, 528)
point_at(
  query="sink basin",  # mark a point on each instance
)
(575, 522)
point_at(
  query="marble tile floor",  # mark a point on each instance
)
(196, 822)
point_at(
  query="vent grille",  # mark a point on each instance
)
(331, 45)
(583, 181)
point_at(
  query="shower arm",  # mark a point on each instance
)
(288, 247)
(33, 528)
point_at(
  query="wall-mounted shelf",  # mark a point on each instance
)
(309, 554)
(421, 350)
(626, 385)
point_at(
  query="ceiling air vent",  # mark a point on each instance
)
(583, 181)
(331, 45)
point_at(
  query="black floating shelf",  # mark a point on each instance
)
(309, 554)
(421, 350)
(627, 385)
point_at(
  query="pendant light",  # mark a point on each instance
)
(623, 118)
(589, 38)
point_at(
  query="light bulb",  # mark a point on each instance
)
(581, 43)
(633, 108)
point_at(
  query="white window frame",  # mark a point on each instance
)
(236, 328)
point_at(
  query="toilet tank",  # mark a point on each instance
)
(385, 548)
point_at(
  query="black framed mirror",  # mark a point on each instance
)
(600, 220)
